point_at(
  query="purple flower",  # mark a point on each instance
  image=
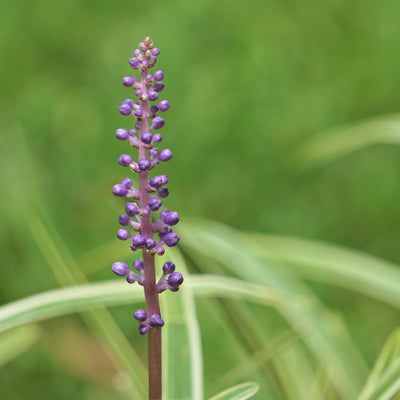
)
(120, 268)
(123, 234)
(163, 105)
(122, 134)
(146, 137)
(154, 204)
(158, 75)
(125, 160)
(120, 190)
(138, 240)
(140, 315)
(175, 279)
(143, 329)
(152, 95)
(165, 155)
(158, 123)
(157, 138)
(156, 321)
(158, 86)
(131, 209)
(168, 268)
(172, 218)
(138, 264)
(171, 239)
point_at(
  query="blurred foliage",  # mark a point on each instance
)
(251, 85)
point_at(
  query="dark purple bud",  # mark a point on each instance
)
(138, 264)
(119, 190)
(120, 268)
(171, 239)
(164, 213)
(172, 218)
(163, 232)
(124, 220)
(156, 182)
(155, 52)
(125, 160)
(157, 138)
(122, 134)
(134, 63)
(131, 209)
(128, 81)
(154, 204)
(123, 234)
(156, 321)
(138, 113)
(165, 155)
(132, 278)
(158, 123)
(143, 329)
(150, 244)
(144, 164)
(164, 179)
(175, 279)
(152, 95)
(168, 268)
(138, 240)
(124, 109)
(163, 193)
(137, 125)
(158, 75)
(163, 105)
(129, 102)
(138, 93)
(133, 248)
(153, 109)
(146, 138)
(158, 86)
(127, 183)
(160, 251)
(132, 133)
(140, 315)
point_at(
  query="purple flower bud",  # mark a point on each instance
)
(122, 134)
(163, 193)
(156, 182)
(144, 164)
(138, 113)
(120, 268)
(164, 231)
(168, 268)
(137, 53)
(160, 251)
(138, 93)
(171, 239)
(157, 138)
(153, 152)
(131, 209)
(132, 133)
(133, 248)
(154, 204)
(158, 123)
(138, 264)
(164, 179)
(123, 234)
(132, 278)
(163, 105)
(134, 63)
(165, 155)
(127, 183)
(175, 279)
(155, 52)
(138, 240)
(125, 160)
(156, 321)
(158, 86)
(153, 109)
(150, 244)
(146, 138)
(129, 102)
(172, 218)
(143, 329)
(124, 109)
(128, 81)
(119, 190)
(152, 95)
(145, 212)
(164, 213)
(140, 315)
(124, 220)
(158, 75)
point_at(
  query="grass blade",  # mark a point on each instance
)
(239, 392)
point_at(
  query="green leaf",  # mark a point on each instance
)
(333, 264)
(384, 380)
(239, 392)
(322, 331)
(338, 142)
(16, 342)
(181, 341)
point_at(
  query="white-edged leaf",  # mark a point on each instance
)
(239, 392)
(340, 141)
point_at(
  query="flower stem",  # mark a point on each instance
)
(150, 292)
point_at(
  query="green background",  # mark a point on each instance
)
(249, 84)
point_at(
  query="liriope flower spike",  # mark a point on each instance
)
(140, 227)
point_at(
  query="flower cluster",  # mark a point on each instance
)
(139, 226)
